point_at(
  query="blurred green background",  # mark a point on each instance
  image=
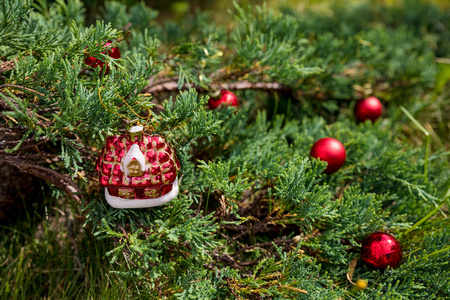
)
(175, 9)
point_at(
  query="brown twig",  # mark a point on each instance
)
(262, 226)
(442, 60)
(127, 33)
(260, 245)
(170, 86)
(26, 144)
(124, 232)
(21, 88)
(7, 65)
(49, 175)
(152, 82)
(227, 259)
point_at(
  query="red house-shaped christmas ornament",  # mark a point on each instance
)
(138, 170)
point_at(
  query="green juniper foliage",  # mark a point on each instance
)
(256, 217)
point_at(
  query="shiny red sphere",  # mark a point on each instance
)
(368, 109)
(380, 250)
(95, 62)
(330, 150)
(227, 99)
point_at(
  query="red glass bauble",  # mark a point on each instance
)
(95, 62)
(368, 109)
(227, 99)
(330, 150)
(380, 250)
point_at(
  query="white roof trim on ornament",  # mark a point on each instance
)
(137, 154)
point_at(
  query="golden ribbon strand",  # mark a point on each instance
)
(119, 114)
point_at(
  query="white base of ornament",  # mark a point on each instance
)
(118, 202)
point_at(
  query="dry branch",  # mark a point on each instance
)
(60, 181)
(21, 88)
(6, 65)
(170, 86)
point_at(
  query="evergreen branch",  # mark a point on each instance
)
(231, 289)
(22, 88)
(49, 175)
(171, 86)
(15, 106)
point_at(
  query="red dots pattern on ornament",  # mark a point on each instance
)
(161, 162)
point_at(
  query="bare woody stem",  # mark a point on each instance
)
(6, 66)
(170, 86)
(21, 88)
(60, 181)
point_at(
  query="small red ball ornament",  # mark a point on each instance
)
(227, 99)
(330, 150)
(368, 109)
(380, 250)
(95, 62)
